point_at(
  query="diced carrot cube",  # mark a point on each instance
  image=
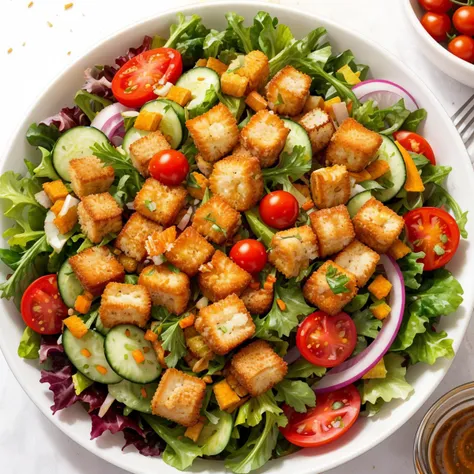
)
(398, 250)
(256, 102)
(57, 206)
(187, 321)
(201, 62)
(82, 304)
(151, 336)
(180, 95)
(193, 432)
(378, 168)
(55, 190)
(225, 396)
(149, 121)
(217, 66)
(66, 222)
(381, 310)
(137, 354)
(307, 205)
(281, 304)
(76, 326)
(380, 287)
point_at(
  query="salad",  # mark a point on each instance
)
(234, 244)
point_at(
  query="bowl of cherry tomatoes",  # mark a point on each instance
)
(445, 34)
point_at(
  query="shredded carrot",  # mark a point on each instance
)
(143, 392)
(150, 336)
(85, 352)
(307, 205)
(101, 369)
(255, 285)
(127, 332)
(158, 242)
(281, 304)
(137, 354)
(187, 321)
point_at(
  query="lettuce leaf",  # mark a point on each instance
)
(435, 173)
(261, 230)
(43, 135)
(65, 119)
(295, 393)
(414, 120)
(235, 23)
(90, 104)
(114, 421)
(80, 382)
(366, 324)
(29, 344)
(251, 412)
(430, 346)
(173, 341)
(46, 169)
(302, 369)
(412, 269)
(148, 444)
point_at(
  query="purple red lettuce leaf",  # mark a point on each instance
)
(132, 52)
(98, 83)
(150, 445)
(67, 118)
(114, 421)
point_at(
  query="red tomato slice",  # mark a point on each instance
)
(434, 232)
(249, 254)
(333, 415)
(133, 83)
(42, 308)
(326, 340)
(279, 209)
(170, 167)
(411, 141)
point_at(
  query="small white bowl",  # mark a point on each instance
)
(455, 67)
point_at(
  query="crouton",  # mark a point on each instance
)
(125, 304)
(55, 190)
(132, 238)
(129, 263)
(95, 267)
(215, 133)
(238, 180)
(226, 397)
(216, 220)
(90, 176)
(264, 137)
(148, 121)
(221, 277)
(333, 228)
(196, 344)
(159, 202)
(99, 215)
(204, 166)
(313, 102)
(257, 300)
(241, 152)
(330, 187)
(217, 66)
(399, 250)
(353, 145)
(255, 68)
(167, 288)
(180, 95)
(258, 368)
(292, 250)
(189, 251)
(360, 260)
(319, 127)
(145, 148)
(179, 397)
(196, 185)
(233, 84)
(318, 292)
(225, 325)
(380, 287)
(256, 102)
(288, 91)
(377, 225)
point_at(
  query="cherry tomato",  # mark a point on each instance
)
(42, 308)
(434, 232)
(437, 25)
(170, 167)
(133, 83)
(326, 340)
(437, 6)
(463, 20)
(334, 414)
(462, 47)
(279, 209)
(411, 141)
(250, 255)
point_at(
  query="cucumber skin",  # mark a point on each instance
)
(65, 267)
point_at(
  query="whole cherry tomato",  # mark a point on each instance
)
(170, 167)
(463, 20)
(249, 254)
(437, 25)
(437, 6)
(462, 47)
(279, 209)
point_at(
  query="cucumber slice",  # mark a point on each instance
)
(178, 109)
(131, 136)
(93, 342)
(131, 395)
(297, 136)
(356, 202)
(69, 285)
(100, 327)
(120, 343)
(215, 438)
(75, 143)
(389, 152)
(170, 125)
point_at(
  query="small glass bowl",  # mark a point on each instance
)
(447, 406)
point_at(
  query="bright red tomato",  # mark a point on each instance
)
(463, 20)
(249, 254)
(170, 167)
(434, 232)
(134, 82)
(279, 209)
(333, 416)
(437, 25)
(462, 47)
(326, 340)
(42, 308)
(437, 6)
(411, 141)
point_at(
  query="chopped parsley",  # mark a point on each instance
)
(173, 268)
(191, 182)
(337, 281)
(150, 205)
(150, 272)
(280, 100)
(296, 236)
(215, 227)
(223, 329)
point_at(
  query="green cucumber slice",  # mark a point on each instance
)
(297, 136)
(215, 438)
(69, 285)
(130, 394)
(356, 202)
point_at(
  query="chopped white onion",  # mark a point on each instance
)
(357, 189)
(130, 113)
(43, 199)
(163, 90)
(130, 205)
(104, 408)
(158, 260)
(185, 220)
(54, 238)
(69, 202)
(340, 111)
(202, 303)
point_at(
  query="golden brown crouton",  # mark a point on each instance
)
(292, 250)
(257, 300)
(125, 304)
(258, 367)
(241, 152)
(256, 102)
(189, 251)
(353, 145)
(330, 186)
(288, 91)
(333, 228)
(319, 128)
(264, 137)
(90, 176)
(216, 220)
(238, 180)
(225, 325)
(99, 215)
(233, 84)
(204, 166)
(215, 133)
(217, 66)
(221, 277)
(196, 185)
(360, 260)
(145, 148)
(377, 225)
(255, 68)
(318, 292)
(159, 202)
(179, 397)
(95, 267)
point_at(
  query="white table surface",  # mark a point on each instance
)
(28, 442)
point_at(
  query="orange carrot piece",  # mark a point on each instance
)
(85, 353)
(150, 336)
(137, 354)
(101, 369)
(187, 321)
(281, 304)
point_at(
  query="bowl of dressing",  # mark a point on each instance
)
(444, 442)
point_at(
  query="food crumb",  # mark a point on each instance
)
(69, 53)
(10, 50)
(50, 24)
(30, 4)
(68, 6)
(24, 44)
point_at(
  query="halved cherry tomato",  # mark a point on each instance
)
(437, 25)
(332, 417)
(462, 47)
(434, 232)
(326, 340)
(170, 167)
(249, 254)
(463, 20)
(279, 209)
(42, 308)
(133, 83)
(437, 6)
(411, 141)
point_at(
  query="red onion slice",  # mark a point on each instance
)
(110, 121)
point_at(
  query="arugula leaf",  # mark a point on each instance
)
(414, 120)
(191, 49)
(420, 160)
(90, 104)
(435, 173)
(213, 43)
(366, 324)
(346, 58)
(357, 303)
(46, 169)
(10, 258)
(42, 135)
(29, 344)
(158, 42)
(252, 411)
(295, 393)
(302, 369)
(412, 269)
(174, 342)
(429, 346)
(185, 26)
(261, 230)
(236, 105)
(337, 281)
(131, 279)
(236, 24)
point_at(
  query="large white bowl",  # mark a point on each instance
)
(75, 423)
(451, 65)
